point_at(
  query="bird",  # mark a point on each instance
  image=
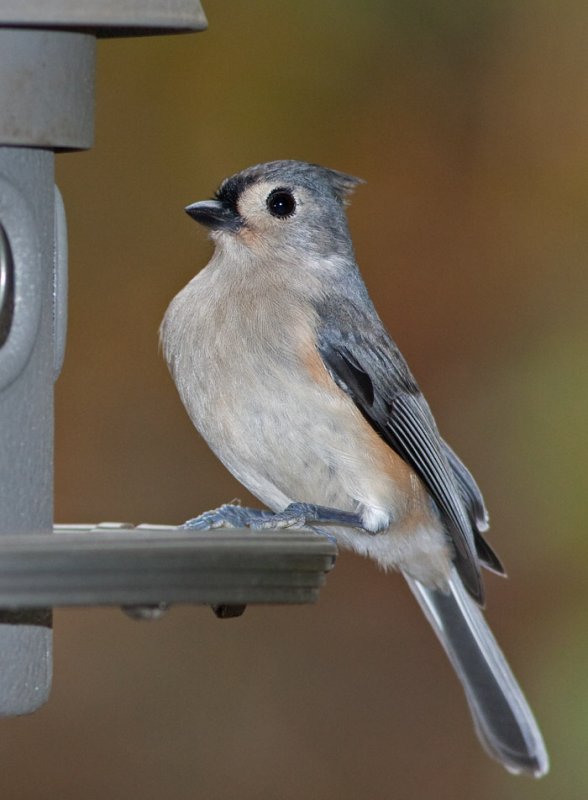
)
(289, 374)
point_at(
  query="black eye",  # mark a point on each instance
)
(281, 203)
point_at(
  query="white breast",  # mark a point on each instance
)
(236, 360)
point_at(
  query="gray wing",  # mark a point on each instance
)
(474, 503)
(367, 365)
(470, 492)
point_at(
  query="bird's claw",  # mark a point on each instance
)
(227, 516)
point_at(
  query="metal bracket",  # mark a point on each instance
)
(47, 65)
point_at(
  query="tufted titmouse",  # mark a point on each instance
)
(287, 371)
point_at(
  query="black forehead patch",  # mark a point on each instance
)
(232, 188)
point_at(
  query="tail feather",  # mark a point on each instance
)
(504, 722)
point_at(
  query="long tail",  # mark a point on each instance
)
(504, 722)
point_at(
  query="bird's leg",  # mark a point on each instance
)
(298, 515)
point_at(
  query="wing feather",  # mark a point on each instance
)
(371, 370)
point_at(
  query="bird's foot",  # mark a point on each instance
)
(296, 515)
(228, 516)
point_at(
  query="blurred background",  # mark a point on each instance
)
(469, 122)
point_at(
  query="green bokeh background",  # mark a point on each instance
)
(469, 122)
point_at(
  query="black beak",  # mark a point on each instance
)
(214, 215)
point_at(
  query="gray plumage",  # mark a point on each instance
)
(289, 374)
